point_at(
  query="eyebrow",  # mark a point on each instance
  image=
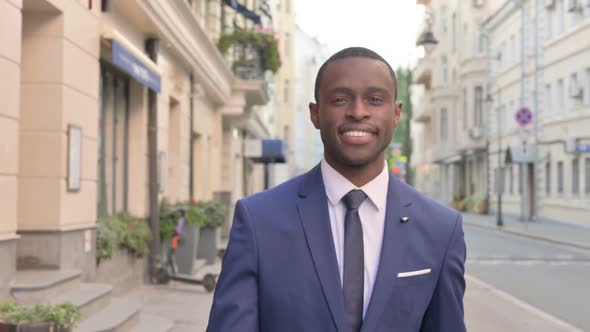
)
(374, 89)
(342, 90)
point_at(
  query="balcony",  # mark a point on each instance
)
(423, 72)
(423, 111)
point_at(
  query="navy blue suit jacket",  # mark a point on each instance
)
(280, 272)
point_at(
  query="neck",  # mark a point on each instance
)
(359, 175)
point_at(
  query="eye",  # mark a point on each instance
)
(376, 100)
(339, 101)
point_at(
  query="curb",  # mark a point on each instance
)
(529, 236)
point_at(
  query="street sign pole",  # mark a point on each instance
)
(523, 118)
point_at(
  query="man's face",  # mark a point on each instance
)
(356, 111)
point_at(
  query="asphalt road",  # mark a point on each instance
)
(550, 278)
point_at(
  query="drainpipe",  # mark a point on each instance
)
(151, 48)
(191, 136)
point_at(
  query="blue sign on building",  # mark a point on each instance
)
(134, 67)
(584, 148)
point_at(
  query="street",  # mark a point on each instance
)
(546, 276)
(513, 284)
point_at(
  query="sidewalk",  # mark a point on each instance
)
(546, 230)
(486, 309)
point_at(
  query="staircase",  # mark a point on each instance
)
(99, 310)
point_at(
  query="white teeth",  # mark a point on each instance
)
(357, 133)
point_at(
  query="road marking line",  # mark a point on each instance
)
(524, 305)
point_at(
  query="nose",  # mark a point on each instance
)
(358, 111)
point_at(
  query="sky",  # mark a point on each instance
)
(389, 27)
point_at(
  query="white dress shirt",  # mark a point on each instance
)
(372, 214)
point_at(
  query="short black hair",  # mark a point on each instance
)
(351, 52)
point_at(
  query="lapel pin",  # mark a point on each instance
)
(404, 220)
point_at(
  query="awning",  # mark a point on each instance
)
(450, 159)
(244, 11)
(521, 154)
(133, 61)
(265, 150)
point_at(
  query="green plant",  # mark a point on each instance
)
(214, 213)
(265, 44)
(63, 315)
(168, 220)
(468, 203)
(107, 240)
(135, 234)
(122, 230)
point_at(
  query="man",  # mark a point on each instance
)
(347, 246)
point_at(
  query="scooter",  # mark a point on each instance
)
(168, 271)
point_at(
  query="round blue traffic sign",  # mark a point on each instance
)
(524, 116)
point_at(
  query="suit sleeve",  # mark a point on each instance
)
(445, 312)
(235, 302)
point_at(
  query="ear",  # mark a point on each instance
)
(397, 110)
(314, 114)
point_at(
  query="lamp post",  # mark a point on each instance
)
(426, 39)
(500, 176)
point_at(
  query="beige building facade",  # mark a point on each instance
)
(80, 79)
(550, 179)
(555, 181)
(450, 155)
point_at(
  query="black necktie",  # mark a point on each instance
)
(354, 260)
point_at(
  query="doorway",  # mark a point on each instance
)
(113, 142)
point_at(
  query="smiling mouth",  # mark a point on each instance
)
(357, 133)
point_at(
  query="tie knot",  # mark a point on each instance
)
(354, 199)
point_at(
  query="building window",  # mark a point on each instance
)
(511, 178)
(454, 32)
(587, 93)
(560, 96)
(478, 105)
(587, 177)
(560, 177)
(573, 85)
(444, 22)
(480, 45)
(286, 91)
(511, 123)
(520, 178)
(512, 50)
(502, 120)
(576, 176)
(287, 44)
(560, 16)
(444, 124)
(549, 24)
(548, 100)
(548, 178)
(445, 70)
(465, 111)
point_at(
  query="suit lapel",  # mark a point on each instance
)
(315, 218)
(392, 249)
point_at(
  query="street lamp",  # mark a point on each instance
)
(500, 176)
(427, 39)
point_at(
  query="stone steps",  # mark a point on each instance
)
(119, 316)
(99, 311)
(150, 323)
(88, 298)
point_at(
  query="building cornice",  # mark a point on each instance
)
(181, 29)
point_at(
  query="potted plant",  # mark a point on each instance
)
(458, 203)
(480, 204)
(214, 216)
(265, 44)
(37, 318)
(189, 238)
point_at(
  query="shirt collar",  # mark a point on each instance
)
(337, 186)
